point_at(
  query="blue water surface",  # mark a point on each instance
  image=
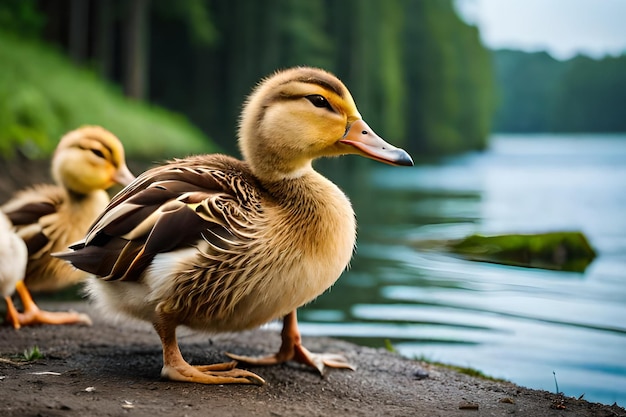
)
(523, 325)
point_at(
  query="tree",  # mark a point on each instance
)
(136, 57)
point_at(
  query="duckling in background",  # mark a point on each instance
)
(49, 218)
(221, 245)
(13, 259)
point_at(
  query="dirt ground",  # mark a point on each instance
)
(112, 369)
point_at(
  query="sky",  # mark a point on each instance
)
(564, 28)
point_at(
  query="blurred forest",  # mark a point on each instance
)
(541, 94)
(420, 74)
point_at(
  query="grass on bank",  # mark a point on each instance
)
(43, 95)
(28, 355)
(466, 370)
(460, 369)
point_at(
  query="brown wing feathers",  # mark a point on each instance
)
(168, 207)
(31, 212)
(39, 201)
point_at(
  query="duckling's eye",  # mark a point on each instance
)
(97, 152)
(319, 101)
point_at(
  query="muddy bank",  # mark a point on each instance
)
(113, 369)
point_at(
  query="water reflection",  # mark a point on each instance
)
(519, 324)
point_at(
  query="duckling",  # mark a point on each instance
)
(86, 162)
(218, 244)
(13, 259)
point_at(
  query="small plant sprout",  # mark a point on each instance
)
(389, 346)
(559, 402)
(556, 383)
(32, 354)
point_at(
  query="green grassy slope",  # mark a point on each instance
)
(43, 95)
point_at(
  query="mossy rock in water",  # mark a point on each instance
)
(564, 251)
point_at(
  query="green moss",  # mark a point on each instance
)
(42, 96)
(567, 251)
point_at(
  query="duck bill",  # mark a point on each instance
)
(123, 176)
(368, 144)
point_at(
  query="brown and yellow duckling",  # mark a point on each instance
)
(221, 245)
(86, 162)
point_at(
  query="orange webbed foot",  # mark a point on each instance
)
(292, 349)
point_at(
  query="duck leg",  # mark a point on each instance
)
(12, 314)
(34, 315)
(177, 369)
(292, 349)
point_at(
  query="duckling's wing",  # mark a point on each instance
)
(26, 210)
(167, 208)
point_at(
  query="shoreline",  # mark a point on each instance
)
(113, 369)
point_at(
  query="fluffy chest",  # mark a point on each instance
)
(315, 241)
(309, 246)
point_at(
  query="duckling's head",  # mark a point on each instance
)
(303, 113)
(90, 158)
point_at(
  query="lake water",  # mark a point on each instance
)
(519, 324)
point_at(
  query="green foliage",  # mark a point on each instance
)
(21, 17)
(527, 84)
(420, 75)
(591, 96)
(450, 76)
(42, 96)
(538, 93)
